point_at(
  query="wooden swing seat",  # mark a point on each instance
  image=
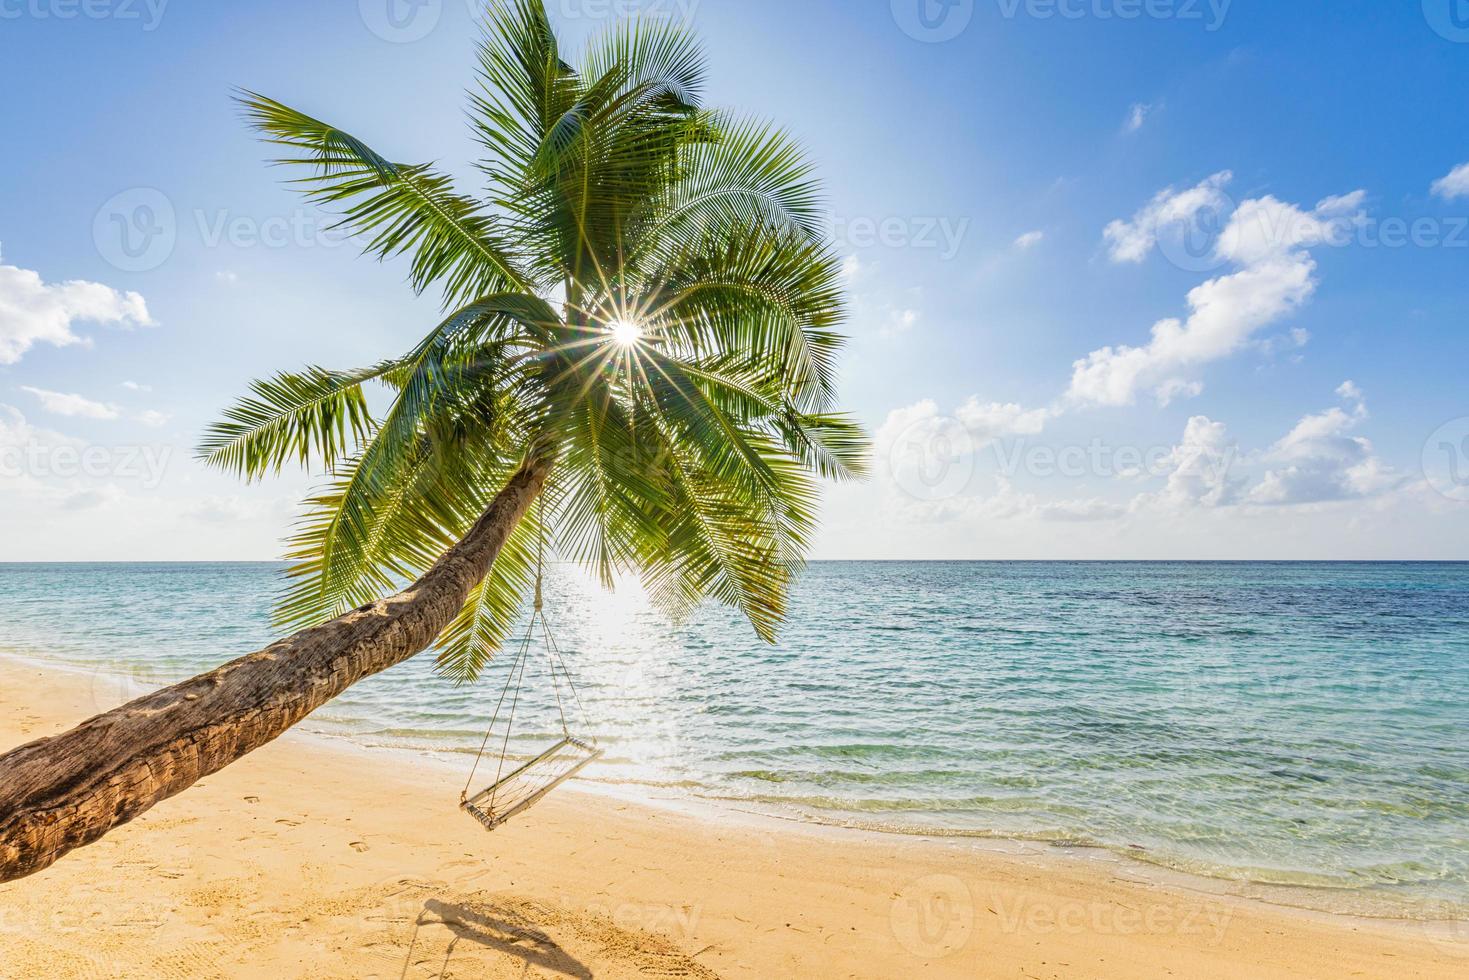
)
(520, 790)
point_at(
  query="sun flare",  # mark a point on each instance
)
(625, 333)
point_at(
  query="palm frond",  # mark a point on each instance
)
(752, 173)
(402, 208)
(303, 416)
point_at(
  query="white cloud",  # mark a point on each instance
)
(1342, 204)
(993, 420)
(73, 406)
(1265, 228)
(1173, 389)
(1130, 241)
(134, 386)
(1009, 504)
(1030, 240)
(1225, 313)
(922, 419)
(1080, 511)
(1268, 240)
(1137, 115)
(154, 419)
(1319, 460)
(226, 509)
(1293, 339)
(18, 440)
(1455, 185)
(227, 277)
(924, 455)
(851, 269)
(900, 321)
(972, 426)
(1199, 469)
(929, 457)
(96, 498)
(33, 311)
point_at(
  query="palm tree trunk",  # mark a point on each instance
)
(60, 793)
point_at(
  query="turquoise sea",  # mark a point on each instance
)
(1301, 727)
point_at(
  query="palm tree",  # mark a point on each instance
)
(639, 334)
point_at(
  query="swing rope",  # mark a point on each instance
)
(513, 682)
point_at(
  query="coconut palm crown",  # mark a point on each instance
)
(643, 301)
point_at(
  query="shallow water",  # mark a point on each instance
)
(1301, 725)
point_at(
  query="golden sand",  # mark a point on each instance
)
(310, 859)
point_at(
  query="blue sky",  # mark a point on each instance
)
(1112, 262)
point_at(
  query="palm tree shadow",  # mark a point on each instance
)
(502, 931)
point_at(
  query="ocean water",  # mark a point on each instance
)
(1301, 727)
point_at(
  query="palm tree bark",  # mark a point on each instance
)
(60, 793)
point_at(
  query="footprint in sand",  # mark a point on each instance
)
(252, 799)
(358, 846)
(289, 823)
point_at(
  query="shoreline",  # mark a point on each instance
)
(355, 860)
(1297, 897)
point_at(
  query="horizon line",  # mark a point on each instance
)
(839, 561)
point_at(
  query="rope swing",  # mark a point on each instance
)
(514, 793)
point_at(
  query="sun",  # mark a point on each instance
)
(625, 333)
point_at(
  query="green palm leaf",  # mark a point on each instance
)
(404, 208)
(314, 413)
(689, 452)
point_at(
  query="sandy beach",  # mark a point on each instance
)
(312, 859)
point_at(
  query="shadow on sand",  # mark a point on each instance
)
(500, 930)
